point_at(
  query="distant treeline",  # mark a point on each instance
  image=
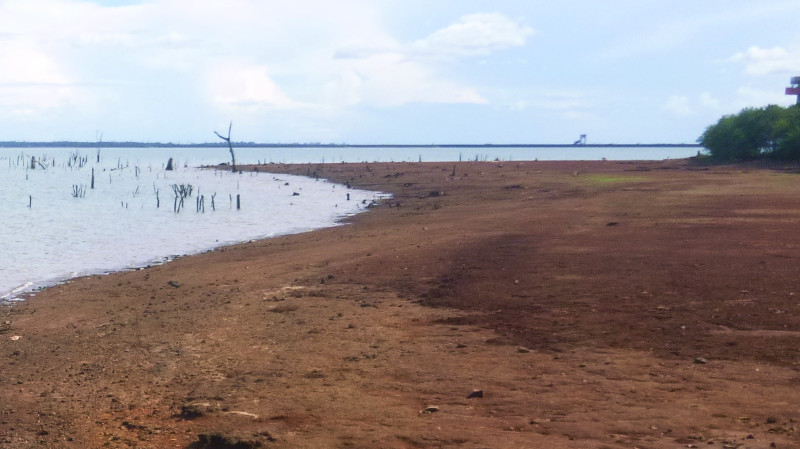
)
(771, 132)
(69, 144)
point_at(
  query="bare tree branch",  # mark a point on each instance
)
(230, 146)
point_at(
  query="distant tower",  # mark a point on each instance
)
(581, 141)
(795, 89)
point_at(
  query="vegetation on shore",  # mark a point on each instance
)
(771, 132)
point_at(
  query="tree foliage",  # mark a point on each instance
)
(755, 133)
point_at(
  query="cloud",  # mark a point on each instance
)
(391, 79)
(235, 85)
(390, 73)
(100, 61)
(669, 27)
(766, 61)
(474, 35)
(32, 80)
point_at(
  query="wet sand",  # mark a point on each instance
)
(592, 304)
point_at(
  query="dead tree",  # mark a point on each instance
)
(99, 136)
(230, 146)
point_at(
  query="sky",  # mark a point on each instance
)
(389, 71)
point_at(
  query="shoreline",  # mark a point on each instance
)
(586, 301)
(70, 144)
(101, 240)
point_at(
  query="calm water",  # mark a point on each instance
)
(55, 226)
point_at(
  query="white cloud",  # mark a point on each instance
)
(253, 53)
(235, 85)
(390, 79)
(671, 25)
(32, 81)
(389, 73)
(708, 101)
(765, 61)
(474, 34)
(242, 58)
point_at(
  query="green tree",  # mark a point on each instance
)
(787, 134)
(754, 133)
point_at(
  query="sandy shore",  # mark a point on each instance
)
(515, 305)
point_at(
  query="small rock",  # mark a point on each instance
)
(233, 441)
(430, 409)
(700, 360)
(174, 284)
(197, 409)
(15, 338)
(475, 394)
(523, 350)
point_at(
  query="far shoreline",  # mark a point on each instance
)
(136, 144)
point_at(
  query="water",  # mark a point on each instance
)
(55, 226)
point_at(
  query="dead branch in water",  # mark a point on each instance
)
(230, 146)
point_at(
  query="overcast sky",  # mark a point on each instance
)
(401, 71)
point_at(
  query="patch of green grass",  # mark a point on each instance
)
(612, 179)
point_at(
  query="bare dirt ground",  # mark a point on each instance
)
(592, 304)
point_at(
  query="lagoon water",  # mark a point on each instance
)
(55, 226)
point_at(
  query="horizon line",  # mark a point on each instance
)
(138, 144)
